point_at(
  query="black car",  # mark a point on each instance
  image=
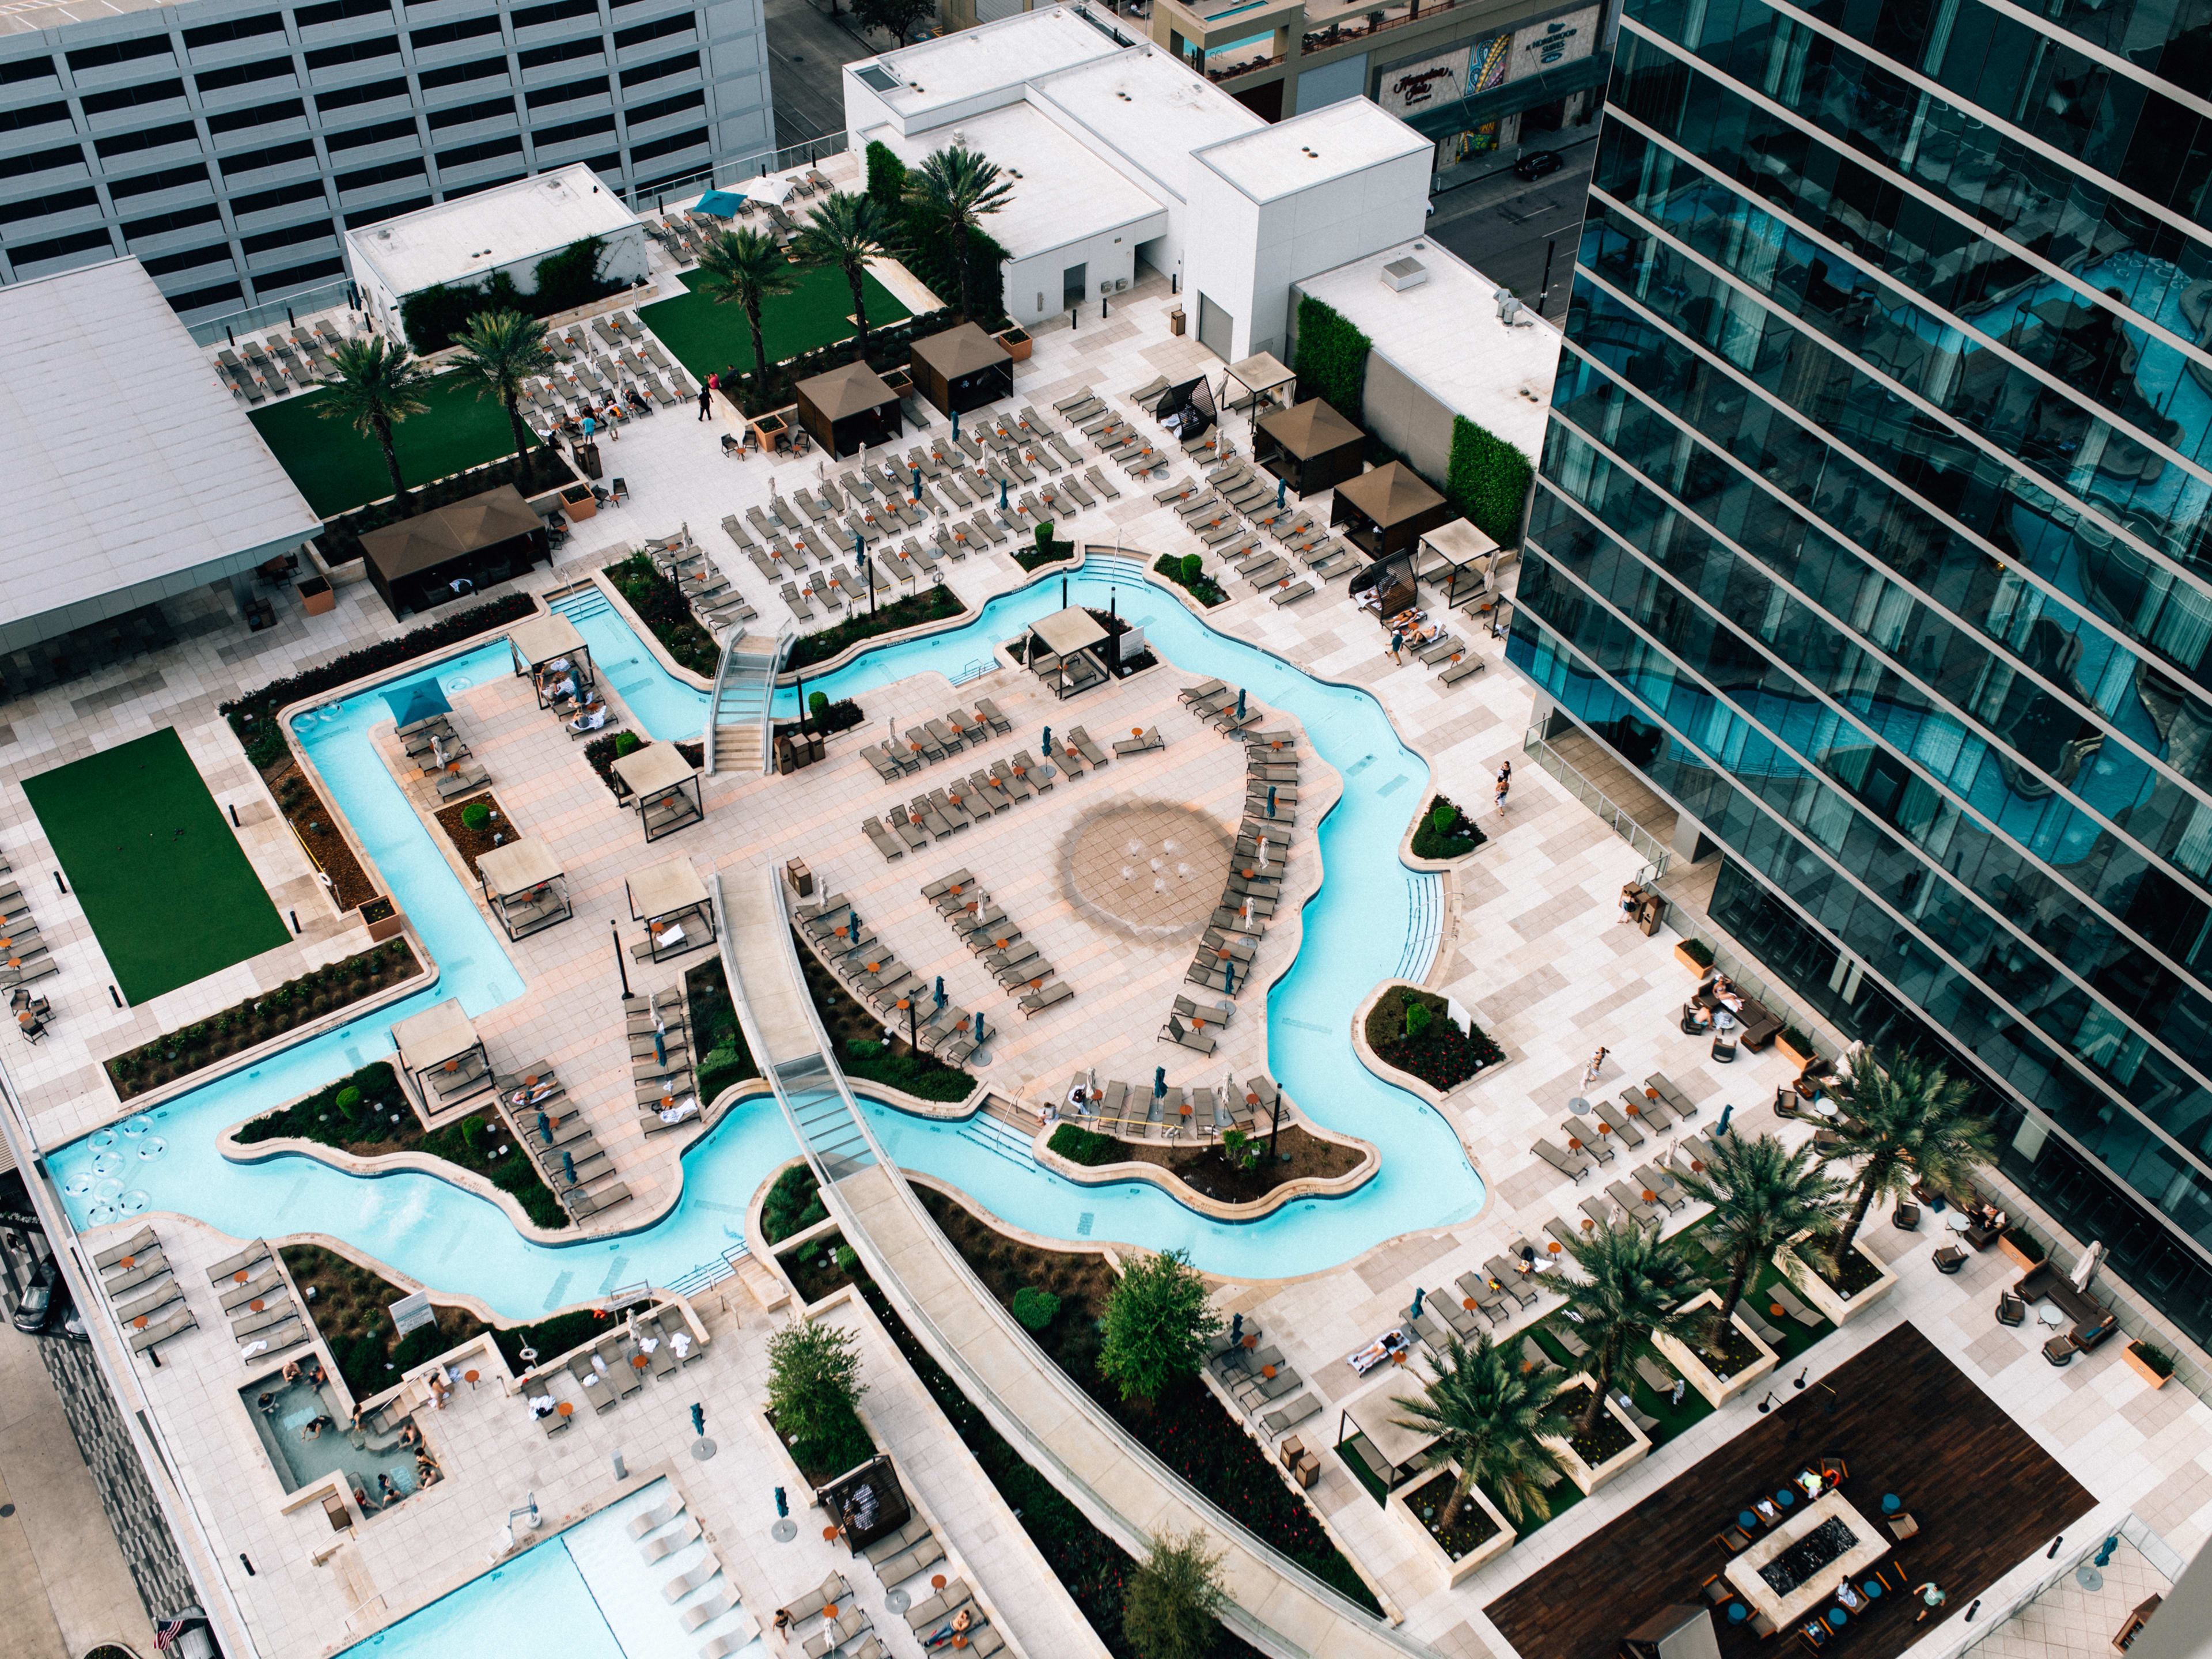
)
(38, 1303)
(1538, 162)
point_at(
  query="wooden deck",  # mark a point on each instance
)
(1907, 1420)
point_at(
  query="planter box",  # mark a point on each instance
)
(316, 596)
(578, 501)
(1717, 1389)
(1801, 1058)
(1017, 344)
(1682, 955)
(1824, 1298)
(2023, 1254)
(391, 928)
(2137, 1364)
(1590, 1479)
(1466, 1565)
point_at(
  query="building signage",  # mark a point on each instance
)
(1424, 82)
(1547, 45)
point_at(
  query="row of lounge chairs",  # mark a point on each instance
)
(1658, 1105)
(946, 812)
(441, 755)
(1256, 1377)
(661, 1060)
(545, 1120)
(302, 354)
(156, 1314)
(1013, 960)
(855, 952)
(662, 1532)
(1139, 1112)
(712, 600)
(24, 955)
(933, 740)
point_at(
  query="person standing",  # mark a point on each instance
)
(1597, 1065)
(706, 397)
(1397, 641)
(1505, 785)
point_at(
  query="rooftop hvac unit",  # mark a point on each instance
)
(1401, 274)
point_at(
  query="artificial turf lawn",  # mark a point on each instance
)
(160, 875)
(338, 469)
(708, 338)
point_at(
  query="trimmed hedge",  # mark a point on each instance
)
(1085, 1146)
(566, 280)
(1331, 359)
(1486, 481)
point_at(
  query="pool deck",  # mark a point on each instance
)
(1531, 950)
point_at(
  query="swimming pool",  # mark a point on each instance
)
(586, 1593)
(282, 1426)
(1372, 919)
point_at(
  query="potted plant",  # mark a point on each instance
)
(316, 596)
(2150, 1364)
(1796, 1046)
(383, 918)
(1695, 955)
(2021, 1249)
(1017, 342)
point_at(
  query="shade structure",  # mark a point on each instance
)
(763, 188)
(671, 902)
(440, 1050)
(1255, 378)
(718, 204)
(864, 1519)
(416, 701)
(1373, 1415)
(449, 552)
(1187, 410)
(1388, 509)
(548, 649)
(1062, 650)
(662, 787)
(961, 369)
(847, 408)
(1460, 559)
(1309, 445)
(523, 883)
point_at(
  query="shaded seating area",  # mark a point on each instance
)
(1387, 511)
(849, 409)
(439, 1050)
(1187, 410)
(961, 369)
(524, 885)
(1062, 650)
(867, 1503)
(549, 652)
(662, 787)
(1260, 380)
(671, 902)
(448, 553)
(1368, 1435)
(1309, 445)
(1459, 560)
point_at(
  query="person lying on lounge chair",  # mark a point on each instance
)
(957, 1626)
(594, 716)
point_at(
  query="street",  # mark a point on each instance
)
(807, 51)
(1502, 225)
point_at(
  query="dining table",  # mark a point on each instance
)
(1786, 1593)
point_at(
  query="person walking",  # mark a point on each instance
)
(1397, 641)
(1505, 785)
(1597, 1065)
(1931, 1596)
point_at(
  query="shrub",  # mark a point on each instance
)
(1447, 832)
(626, 743)
(1174, 1599)
(886, 179)
(1080, 1145)
(1698, 951)
(1486, 480)
(1044, 537)
(813, 1379)
(817, 704)
(1193, 567)
(1157, 1322)
(475, 816)
(1797, 1039)
(2160, 1362)
(792, 1205)
(1332, 358)
(1416, 1020)
(1035, 1307)
(848, 1259)
(1442, 817)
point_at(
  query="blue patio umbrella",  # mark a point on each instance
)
(1159, 1081)
(1240, 702)
(1721, 1128)
(860, 548)
(941, 990)
(1002, 494)
(417, 701)
(1048, 743)
(956, 426)
(568, 1167)
(721, 203)
(917, 481)
(545, 1129)
(979, 1028)
(782, 1503)
(1229, 968)
(1281, 484)
(660, 1046)
(1271, 800)
(1417, 1295)
(1236, 1330)
(853, 926)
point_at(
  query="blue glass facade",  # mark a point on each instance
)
(1872, 527)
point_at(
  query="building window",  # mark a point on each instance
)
(38, 207)
(669, 146)
(252, 161)
(126, 144)
(682, 23)
(489, 109)
(291, 236)
(569, 132)
(382, 132)
(298, 276)
(41, 161)
(110, 52)
(33, 115)
(391, 172)
(57, 247)
(369, 92)
(695, 99)
(145, 184)
(567, 52)
(258, 115)
(337, 11)
(530, 17)
(20, 69)
(453, 75)
(354, 51)
(469, 154)
(445, 34)
(239, 74)
(163, 264)
(201, 299)
(567, 94)
(238, 29)
(307, 190)
(160, 224)
(153, 92)
(645, 73)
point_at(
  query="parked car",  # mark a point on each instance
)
(38, 1303)
(1538, 162)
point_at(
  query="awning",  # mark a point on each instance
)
(652, 768)
(541, 639)
(960, 351)
(1458, 542)
(665, 889)
(430, 538)
(517, 868)
(1260, 374)
(718, 204)
(762, 189)
(421, 699)
(853, 389)
(1310, 428)
(1374, 1413)
(1390, 494)
(434, 1036)
(1065, 632)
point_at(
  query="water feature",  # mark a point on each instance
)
(1357, 932)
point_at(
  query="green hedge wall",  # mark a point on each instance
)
(1486, 481)
(1331, 359)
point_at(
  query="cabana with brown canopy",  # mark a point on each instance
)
(524, 885)
(671, 902)
(1062, 650)
(962, 368)
(449, 552)
(1310, 447)
(548, 651)
(849, 408)
(1387, 510)
(662, 787)
(439, 1050)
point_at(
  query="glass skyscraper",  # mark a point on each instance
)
(1872, 529)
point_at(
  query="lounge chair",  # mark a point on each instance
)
(654, 1519)
(832, 1589)
(884, 841)
(1038, 1001)
(1459, 671)
(1647, 1215)
(1781, 1293)
(706, 1612)
(231, 1266)
(1637, 1414)
(1291, 595)
(1656, 1376)
(1090, 751)
(1176, 1031)
(660, 1549)
(1574, 1166)
(733, 1641)
(175, 1325)
(1143, 744)
(137, 1244)
(1624, 1127)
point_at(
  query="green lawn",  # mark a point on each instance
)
(708, 337)
(159, 874)
(338, 469)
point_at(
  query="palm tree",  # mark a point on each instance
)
(1631, 1290)
(744, 268)
(1489, 1416)
(954, 189)
(1763, 1195)
(499, 350)
(376, 386)
(1908, 1118)
(846, 231)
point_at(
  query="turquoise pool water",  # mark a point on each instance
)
(1365, 925)
(584, 1594)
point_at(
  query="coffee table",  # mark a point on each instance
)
(1819, 1587)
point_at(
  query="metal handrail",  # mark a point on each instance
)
(714, 707)
(784, 640)
(731, 172)
(978, 1390)
(1655, 853)
(1978, 1626)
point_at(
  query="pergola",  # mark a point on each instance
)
(547, 648)
(863, 1520)
(447, 553)
(1392, 1453)
(439, 1049)
(1068, 660)
(1387, 510)
(1309, 445)
(671, 902)
(962, 368)
(849, 409)
(1465, 561)
(523, 883)
(663, 788)
(1258, 377)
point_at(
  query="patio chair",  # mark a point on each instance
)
(2012, 1308)
(1733, 1539)
(2060, 1349)
(1949, 1259)
(1906, 1217)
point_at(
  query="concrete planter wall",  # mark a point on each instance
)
(1591, 1480)
(1466, 1566)
(1717, 1389)
(1824, 1298)
(2141, 1367)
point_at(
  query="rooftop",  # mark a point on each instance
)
(131, 464)
(28, 16)
(1150, 108)
(1445, 333)
(1333, 141)
(471, 235)
(935, 74)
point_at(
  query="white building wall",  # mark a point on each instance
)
(1034, 284)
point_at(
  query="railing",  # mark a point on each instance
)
(285, 309)
(1337, 35)
(1982, 1624)
(645, 197)
(1655, 854)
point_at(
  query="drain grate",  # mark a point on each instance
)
(1395, 785)
(560, 1289)
(1359, 766)
(1083, 1223)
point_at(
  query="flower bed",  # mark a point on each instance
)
(1614, 1446)
(608, 747)
(1718, 1367)
(843, 1446)
(1445, 831)
(1857, 1274)
(662, 607)
(474, 834)
(827, 721)
(1083, 1146)
(931, 605)
(253, 717)
(318, 831)
(1243, 1174)
(863, 1050)
(821, 1265)
(792, 1205)
(1478, 1535)
(1441, 1055)
(1186, 572)
(294, 1002)
(350, 1306)
(1809, 1263)
(718, 1040)
(1031, 557)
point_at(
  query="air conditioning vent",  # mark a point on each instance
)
(877, 80)
(1401, 274)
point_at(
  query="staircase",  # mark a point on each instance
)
(744, 684)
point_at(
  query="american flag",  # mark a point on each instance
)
(169, 1632)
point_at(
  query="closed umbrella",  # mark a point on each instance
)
(1271, 800)
(1228, 967)
(1240, 702)
(941, 990)
(1159, 1081)
(2085, 1268)
(568, 1167)
(545, 1129)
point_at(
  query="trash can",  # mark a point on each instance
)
(801, 877)
(1174, 320)
(587, 458)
